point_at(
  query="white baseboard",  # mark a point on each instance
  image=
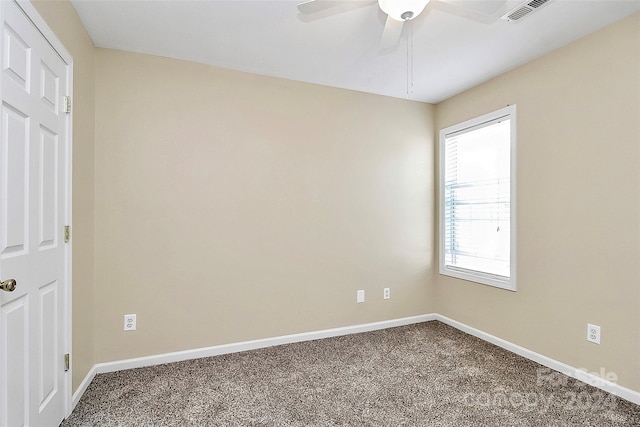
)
(159, 359)
(82, 387)
(579, 374)
(218, 350)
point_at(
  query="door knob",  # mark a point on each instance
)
(8, 285)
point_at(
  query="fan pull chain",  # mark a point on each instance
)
(407, 88)
(411, 37)
(409, 58)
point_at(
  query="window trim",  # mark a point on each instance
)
(508, 283)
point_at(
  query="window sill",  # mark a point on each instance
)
(501, 282)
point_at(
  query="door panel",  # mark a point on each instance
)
(14, 150)
(34, 139)
(16, 58)
(48, 386)
(48, 189)
(49, 93)
(14, 332)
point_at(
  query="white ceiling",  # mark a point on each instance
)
(340, 46)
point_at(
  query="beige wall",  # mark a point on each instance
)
(232, 207)
(578, 205)
(63, 20)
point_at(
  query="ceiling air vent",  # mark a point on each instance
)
(524, 9)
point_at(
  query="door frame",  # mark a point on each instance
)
(32, 14)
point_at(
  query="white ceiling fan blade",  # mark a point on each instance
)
(318, 9)
(391, 33)
(486, 7)
(313, 6)
(486, 12)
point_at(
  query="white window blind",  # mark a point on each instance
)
(476, 216)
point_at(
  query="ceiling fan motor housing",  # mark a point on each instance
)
(402, 10)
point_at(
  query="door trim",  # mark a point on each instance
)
(44, 29)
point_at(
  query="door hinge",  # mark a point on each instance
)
(67, 104)
(67, 233)
(66, 362)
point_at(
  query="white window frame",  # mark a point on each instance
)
(462, 273)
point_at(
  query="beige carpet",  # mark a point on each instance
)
(427, 374)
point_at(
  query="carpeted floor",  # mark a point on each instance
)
(427, 374)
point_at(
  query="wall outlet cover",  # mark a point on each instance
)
(593, 333)
(129, 322)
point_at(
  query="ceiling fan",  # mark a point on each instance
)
(401, 11)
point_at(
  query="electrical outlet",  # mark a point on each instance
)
(593, 333)
(386, 293)
(360, 296)
(129, 322)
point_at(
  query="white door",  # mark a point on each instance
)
(34, 139)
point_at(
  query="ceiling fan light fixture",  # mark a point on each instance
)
(402, 10)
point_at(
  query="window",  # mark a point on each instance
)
(477, 199)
